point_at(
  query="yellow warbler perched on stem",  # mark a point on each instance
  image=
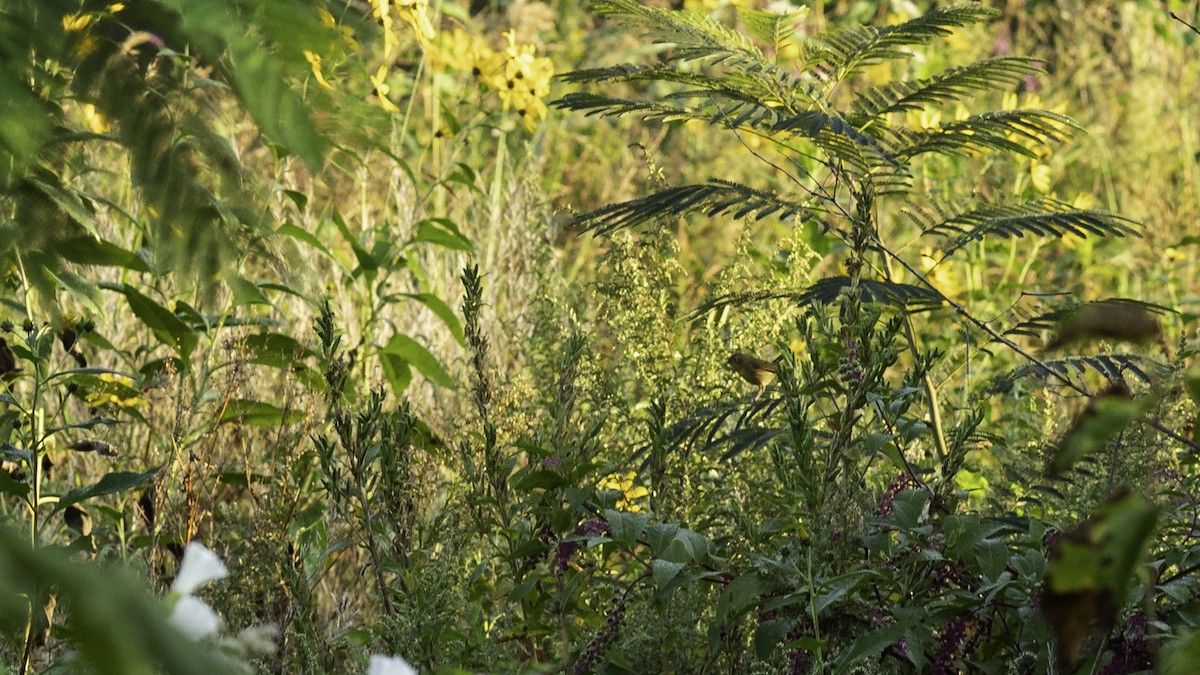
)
(753, 370)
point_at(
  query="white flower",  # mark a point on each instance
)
(259, 639)
(199, 566)
(191, 615)
(194, 618)
(389, 665)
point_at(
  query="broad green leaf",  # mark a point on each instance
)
(769, 635)
(24, 126)
(1181, 656)
(165, 325)
(91, 251)
(443, 312)
(259, 414)
(258, 75)
(366, 262)
(664, 572)
(118, 481)
(301, 235)
(443, 232)
(868, 646)
(403, 349)
(739, 595)
(992, 555)
(245, 292)
(275, 350)
(626, 527)
(10, 486)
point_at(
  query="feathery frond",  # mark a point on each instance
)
(773, 28)
(849, 51)
(945, 87)
(694, 36)
(1111, 366)
(1040, 217)
(1000, 130)
(714, 198)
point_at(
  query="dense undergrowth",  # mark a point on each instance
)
(525, 337)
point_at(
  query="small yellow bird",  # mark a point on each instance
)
(753, 370)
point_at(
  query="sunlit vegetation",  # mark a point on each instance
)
(634, 337)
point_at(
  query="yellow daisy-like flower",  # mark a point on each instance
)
(452, 51)
(414, 12)
(623, 483)
(314, 60)
(382, 89)
(381, 11)
(526, 81)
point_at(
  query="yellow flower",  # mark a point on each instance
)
(413, 11)
(380, 10)
(94, 120)
(525, 82)
(487, 66)
(314, 60)
(453, 50)
(624, 485)
(381, 89)
(346, 41)
(77, 22)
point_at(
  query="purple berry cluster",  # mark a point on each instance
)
(851, 362)
(603, 639)
(888, 501)
(567, 549)
(1131, 650)
(949, 643)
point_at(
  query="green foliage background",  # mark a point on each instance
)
(440, 371)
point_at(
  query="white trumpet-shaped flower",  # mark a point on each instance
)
(191, 615)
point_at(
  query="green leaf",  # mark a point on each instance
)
(275, 350)
(167, 327)
(259, 76)
(91, 251)
(259, 414)
(366, 262)
(245, 292)
(769, 635)
(1181, 656)
(118, 481)
(664, 572)
(1105, 417)
(11, 486)
(868, 645)
(401, 351)
(443, 312)
(443, 232)
(739, 595)
(304, 236)
(626, 527)
(992, 555)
